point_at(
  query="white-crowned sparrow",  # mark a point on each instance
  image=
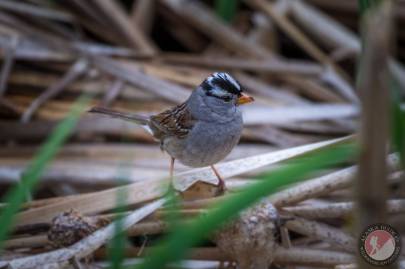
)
(204, 129)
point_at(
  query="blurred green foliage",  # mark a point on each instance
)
(226, 9)
(29, 179)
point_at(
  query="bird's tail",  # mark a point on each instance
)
(139, 119)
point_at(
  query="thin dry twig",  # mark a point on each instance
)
(324, 232)
(113, 92)
(9, 52)
(75, 71)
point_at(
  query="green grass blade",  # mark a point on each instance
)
(397, 121)
(226, 9)
(117, 246)
(175, 246)
(16, 196)
(364, 5)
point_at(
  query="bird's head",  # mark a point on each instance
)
(225, 88)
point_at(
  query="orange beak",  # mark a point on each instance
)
(245, 99)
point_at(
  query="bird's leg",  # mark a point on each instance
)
(171, 189)
(221, 184)
(171, 169)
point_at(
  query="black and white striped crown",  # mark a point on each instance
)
(222, 81)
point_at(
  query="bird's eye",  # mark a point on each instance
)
(226, 98)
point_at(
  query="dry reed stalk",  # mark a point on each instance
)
(269, 66)
(9, 53)
(323, 232)
(292, 256)
(143, 12)
(373, 86)
(338, 210)
(113, 92)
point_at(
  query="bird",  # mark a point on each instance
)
(201, 131)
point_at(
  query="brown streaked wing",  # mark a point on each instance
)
(177, 121)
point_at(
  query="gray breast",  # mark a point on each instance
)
(206, 144)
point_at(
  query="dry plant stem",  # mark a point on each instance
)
(171, 169)
(75, 71)
(213, 27)
(12, 130)
(325, 29)
(401, 265)
(34, 10)
(164, 89)
(260, 87)
(264, 32)
(131, 32)
(322, 232)
(291, 30)
(35, 80)
(254, 115)
(313, 90)
(87, 245)
(272, 66)
(26, 242)
(143, 14)
(97, 22)
(145, 227)
(373, 88)
(274, 136)
(97, 201)
(184, 33)
(189, 76)
(291, 256)
(10, 106)
(322, 185)
(285, 240)
(306, 256)
(305, 43)
(338, 210)
(7, 65)
(113, 92)
(319, 128)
